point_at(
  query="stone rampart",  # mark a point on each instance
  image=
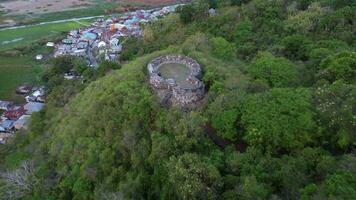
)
(182, 94)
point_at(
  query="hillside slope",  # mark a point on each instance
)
(281, 96)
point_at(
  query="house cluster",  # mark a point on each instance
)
(103, 39)
(16, 117)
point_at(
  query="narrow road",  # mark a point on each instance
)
(52, 22)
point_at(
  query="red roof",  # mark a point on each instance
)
(15, 113)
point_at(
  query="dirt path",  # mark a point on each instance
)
(52, 22)
(221, 142)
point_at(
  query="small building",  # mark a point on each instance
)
(67, 41)
(212, 12)
(73, 33)
(6, 125)
(15, 112)
(79, 52)
(71, 75)
(22, 122)
(32, 107)
(36, 96)
(82, 45)
(39, 57)
(5, 105)
(115, 45)
(24, 89)
(50, 44)
(101, 44)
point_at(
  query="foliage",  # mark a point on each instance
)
(334, 106)
(106, 66)
(223, 49)
(340, 66)
(191, 178)
(295, 47)
(277, 72)
(277, 121)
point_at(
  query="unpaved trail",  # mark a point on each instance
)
(53, 22)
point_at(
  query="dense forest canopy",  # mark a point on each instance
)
(280, 79)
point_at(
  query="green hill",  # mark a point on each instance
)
(277, 121)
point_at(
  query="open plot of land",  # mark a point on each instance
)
(86, 8)
(19, 7)
(15, 71)
(176, 71)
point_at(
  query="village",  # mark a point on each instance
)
(16, 117)
(103, 39)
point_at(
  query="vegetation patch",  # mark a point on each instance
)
(15, 71)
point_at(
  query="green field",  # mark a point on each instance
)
(15, 71)
(27, 35)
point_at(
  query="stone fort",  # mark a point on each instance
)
(177, 80)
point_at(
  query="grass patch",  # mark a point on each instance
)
(15, 71)
(23, 36)
(176, 71)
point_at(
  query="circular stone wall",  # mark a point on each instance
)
(176, 78)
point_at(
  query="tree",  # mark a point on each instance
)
(295, 47)
(243, 32)
(17, 183)
(340, 66)
(191, 178)
(106, 66)
(225, 113)
(223, 49)
(281, 119)
(253, 189)
(305, 22)
(340, 185)
(334, 105)
(277, 72)
(238, 2)
(186, 13)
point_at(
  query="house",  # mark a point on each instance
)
(50, 44)
(36, 96)
(71, 75)
(79, 52)
(67, 41)
(5, 105)
(212, 12)
(74, 33)
(24, 89)
(32, 107)
(39, 57)
(15, 112)
(22, 122)
(115, 46)
(6, 125)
